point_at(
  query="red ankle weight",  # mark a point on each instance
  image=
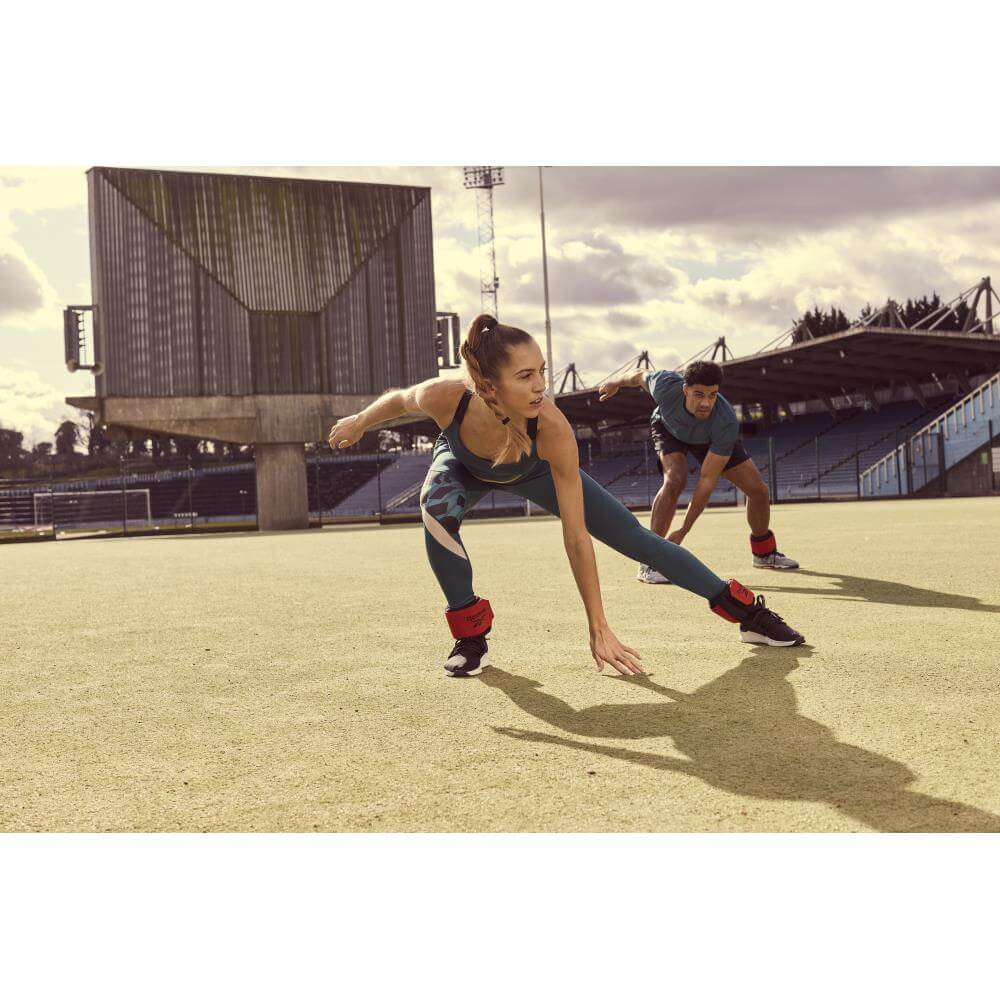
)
(734, 602)
(473, 619)
(765, 546)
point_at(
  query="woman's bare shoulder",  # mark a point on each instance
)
(550, 417)
(555, 435)
(439, 397)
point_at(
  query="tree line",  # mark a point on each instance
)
(822, 323)
(83, 447)
(87, 447)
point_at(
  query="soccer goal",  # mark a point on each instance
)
(92, 509)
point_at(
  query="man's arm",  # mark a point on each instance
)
(711, 468)
(637, 379)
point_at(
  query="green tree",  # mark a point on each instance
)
(819, 323)
(97, 441)
(822, 324)
(11, 451)
(66, 436)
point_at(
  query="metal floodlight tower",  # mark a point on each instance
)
(483, 180)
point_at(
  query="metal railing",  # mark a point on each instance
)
(954, 435)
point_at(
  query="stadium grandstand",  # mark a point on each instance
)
(879, 409)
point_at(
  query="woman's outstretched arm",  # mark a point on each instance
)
(560, 451)
(435, 398)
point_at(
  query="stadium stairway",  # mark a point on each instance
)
(951, 436)
(404, 473)
(332, 480)
(841, 456)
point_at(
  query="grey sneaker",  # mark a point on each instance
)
(775, 560)
(647, 574)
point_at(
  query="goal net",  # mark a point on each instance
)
(92, 508)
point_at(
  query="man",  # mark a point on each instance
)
(692, 417)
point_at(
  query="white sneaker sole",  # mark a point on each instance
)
(763, 640)
(653, 582)
(470, 673)
(767, 565)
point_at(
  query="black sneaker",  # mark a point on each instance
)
(466, 657)
(765, 627)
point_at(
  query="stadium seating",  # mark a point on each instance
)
(797, 459)
(817, 455)
(403, 473)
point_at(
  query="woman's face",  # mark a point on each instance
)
(521, 385)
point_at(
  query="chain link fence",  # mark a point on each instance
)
(171, 496)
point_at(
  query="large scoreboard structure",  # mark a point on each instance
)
(254, 310)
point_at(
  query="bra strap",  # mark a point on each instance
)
(463, 405)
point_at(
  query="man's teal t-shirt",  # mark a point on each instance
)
(720, 430)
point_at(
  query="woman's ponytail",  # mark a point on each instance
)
(484, 351)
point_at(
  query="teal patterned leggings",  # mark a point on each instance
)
(450, 491)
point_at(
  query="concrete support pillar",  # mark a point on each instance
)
(282, 497)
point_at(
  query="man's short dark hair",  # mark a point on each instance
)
(703, 373)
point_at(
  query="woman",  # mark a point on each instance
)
(533, 453)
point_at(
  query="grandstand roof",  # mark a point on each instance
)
(856, 360)
(853, 361)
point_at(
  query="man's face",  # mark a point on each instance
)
(699, 400)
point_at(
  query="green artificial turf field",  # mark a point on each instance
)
(293, 682)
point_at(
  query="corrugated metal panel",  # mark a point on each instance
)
(285, 352)
(211, 284)
(345, 328)
(377, 332)
(276, 243)
(421, 354)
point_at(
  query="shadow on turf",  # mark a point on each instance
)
(742, 733)
(863, 588)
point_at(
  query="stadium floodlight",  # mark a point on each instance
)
(483, 177)
(483, 180)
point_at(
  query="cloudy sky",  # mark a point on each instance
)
(658, 258)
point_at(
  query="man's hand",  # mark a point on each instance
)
(678, 536)
(347, 431)
(607, 389)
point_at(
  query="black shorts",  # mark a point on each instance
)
(665, 444)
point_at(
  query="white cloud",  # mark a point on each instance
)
(666, 260)
(30, 405)
(20, 290)
(31, 189)
(27, 296)
(750, 202)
